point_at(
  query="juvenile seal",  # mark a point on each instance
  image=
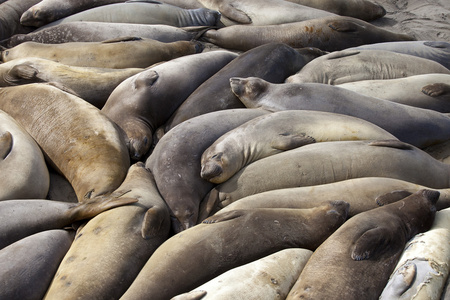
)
(267, 278)
(23, 171)
(328, 162)
(277, 132)
(110, 250)
(93, 85)
(81, 142)
(416, 126)
(328, 34)
(145, 101)
(144, 12)
(274, 62)
(28, 266)
(116, 54)
(354, 65)
(226, 241)
(429, 91)
(356, 260)
(423, 266)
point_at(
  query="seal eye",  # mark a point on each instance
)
(217, 156)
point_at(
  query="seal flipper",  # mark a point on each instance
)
(22, 74)
(6, 142)
(341, 54)
(392, 144)
(343, 26)
(226, 216)
(401, 281)
(122, 39)
(437, 44)
(391, 197)
(287, 141)
(193, 295)
(436, 89)
(152, 223)
(370, 242)
(234, 14)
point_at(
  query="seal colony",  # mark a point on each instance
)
(218, 149)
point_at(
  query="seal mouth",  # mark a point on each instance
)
(210, 170)
(236, 86)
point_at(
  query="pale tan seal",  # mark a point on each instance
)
(81, 142)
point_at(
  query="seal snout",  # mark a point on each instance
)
(431, 195)
(210, 170)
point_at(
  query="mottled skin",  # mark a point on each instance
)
(416, 126)
(175, 161)
(354, 65)
(273, 62)
(110, 250)
(229, 240)
(278, 132)
(262, 12)
(23, 171)
(92, 84)
(81, 142)
(355, 262)
(360, 9)
(117, 54)
(438, 51)
(423, 266)
(145, 13)
(328, 34)
(144, 102)
(268, 278)
(10, 12)
(330, 162)
(362, 194)
(84, 31)
(28, 266)
(429, 91)
(47, 11)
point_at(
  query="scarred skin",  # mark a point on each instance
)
(10, 12)
(328, 34)
(228, 240)
(116, 54)
(81, 142)
(278, 132)
(154, 94)
(416, 126)
(355, 262)
(330, 162)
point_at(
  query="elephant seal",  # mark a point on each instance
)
(84, 31)
(439, 51)
(154, 94)
(360, 9)
(93, 85)
(440, 151)
(79, 141)
(328, 162)
(354, 65)
(423, 266)
(277, 132)
(115, 54)
(328, 34)
(429, 91)
(269, 278)
(362, 194)
(356, 260)
(274, 62)
(144, 12)
(226, 241)
(47, 11)
(28, 266)
(262, 12)
(21, 218)
(10, 12)
(111, 249)
(23, 171)
(416, 126)
(175, 161)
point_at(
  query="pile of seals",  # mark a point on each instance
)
(234, 149)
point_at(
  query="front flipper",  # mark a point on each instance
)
(370, 243)
(392, 144)
(152, 222)
(122, 39)
(391, 197)
(342, 54)
(22, 74)
(234, 14)
(400, 282)
(6, 142)
(436, 89)
(343, 26)
(287, 141)
(226, 216)
(193, 295)
(94, 206)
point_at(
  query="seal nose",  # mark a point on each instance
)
(431, 195)
(210, 170)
